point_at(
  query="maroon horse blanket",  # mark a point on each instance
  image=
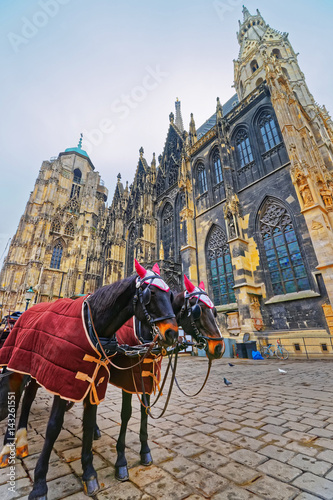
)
(149, 369)
(50, 343)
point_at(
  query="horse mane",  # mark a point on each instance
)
(106, 296)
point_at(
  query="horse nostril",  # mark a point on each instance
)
(218, 351)
(171, 336)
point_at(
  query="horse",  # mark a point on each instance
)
(196, 314)
(148, 298)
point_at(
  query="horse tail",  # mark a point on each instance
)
(10, 382)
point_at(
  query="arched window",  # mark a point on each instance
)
(254, 65)
(243, 148)
(202, 179)
(77, 176)
(268, 131)
(69, 229)
(276, 53)
(259, 82)
(56, 225)
(219, 267)
(282, 252)
(218, 176)
(56, 256)
(167, 230)
(130, 251)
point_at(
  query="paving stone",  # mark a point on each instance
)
(311, 451)
(197, 438)
(238, 473)
(120, 491)
(310, 464)
(206, 482)
(277, 453)
(210, 460)
(305, 496)
(279, 470)
(247, 457)
(221, 447)
(316, 485)
(324, 443)
(179, 466)
(296, 426)
(167, 487)
(142, 476)
(275, 439)
(22, 488)
(225, 435)
(247, 442)
(318, 431)
(326, 455)
(272, 489)
(275, 429)
(63, 486)
(250, 432)
(234, 493)
(230, 426)
(303, 437)
(76, 465)
(274, 420)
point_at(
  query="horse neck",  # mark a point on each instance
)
(117, 306)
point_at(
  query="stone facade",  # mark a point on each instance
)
(243, 203)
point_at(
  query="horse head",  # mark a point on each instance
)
(154, 304)
(196, 314)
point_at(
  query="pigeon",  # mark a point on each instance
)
(282, 371)
(230, 364)
(227, 382)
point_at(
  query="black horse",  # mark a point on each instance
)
(196, 314)
(149, 299)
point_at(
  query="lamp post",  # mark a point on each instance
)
(28, 296)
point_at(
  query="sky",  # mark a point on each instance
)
(112, 70)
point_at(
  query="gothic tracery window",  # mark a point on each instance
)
(167, 230)
(268, 130)
(69, 229)
(202, 179)
(173, 175)
(219, 267)
(244, 148)
(284, 259)
(56, 225)
(218, 176)
(130, 251)
(56, 256)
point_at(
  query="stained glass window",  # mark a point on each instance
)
(244, 148)
(219, 267)
(269, 131)
(284, 259)
(56, 256)
(167, 231)
(218, 176)
(202, 179)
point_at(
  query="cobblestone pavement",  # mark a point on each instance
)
(268, 435)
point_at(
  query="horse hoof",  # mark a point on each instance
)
(97, 434)
(91, 486)
(22, 451)
(4, 459)
(122, 473)
(146, 459)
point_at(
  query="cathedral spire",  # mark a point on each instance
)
(193, 131)
(179, 119)
(246, 13)
(80, 141)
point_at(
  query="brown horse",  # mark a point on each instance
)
(149, 299)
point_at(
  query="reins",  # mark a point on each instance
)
(203, 385)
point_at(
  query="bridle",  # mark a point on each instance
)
(193, 314)
(143, 295)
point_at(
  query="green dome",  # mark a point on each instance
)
(78, 149)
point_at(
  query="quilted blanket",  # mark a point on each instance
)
(50, 343)
(150, 368)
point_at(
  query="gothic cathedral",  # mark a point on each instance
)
(243, 203)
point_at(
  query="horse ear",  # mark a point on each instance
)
(156, 269)
(202, 286)
(188, 285)
(140, 269)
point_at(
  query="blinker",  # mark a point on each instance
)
(146, 296)
(196, 312)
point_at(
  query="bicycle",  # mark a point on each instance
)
(268, 352)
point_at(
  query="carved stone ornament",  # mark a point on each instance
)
(255, 312)
(316, 225)
(233, 325)
(304, 189)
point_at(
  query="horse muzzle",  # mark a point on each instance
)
(215, 348)
(168, 333)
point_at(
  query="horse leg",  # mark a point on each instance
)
(53, 429)
(146, 458)
(14, 391)
(89, 476)
(21, 434)
(126, 413)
